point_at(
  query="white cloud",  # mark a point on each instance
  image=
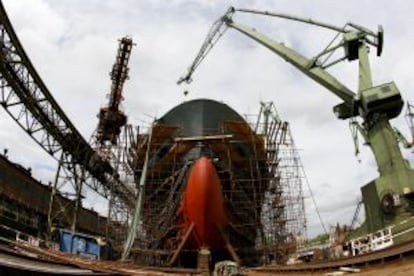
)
(73, 44)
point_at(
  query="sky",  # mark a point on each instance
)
(72, 44)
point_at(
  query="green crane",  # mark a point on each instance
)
(389, 198)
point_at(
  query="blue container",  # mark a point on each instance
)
(80, 244)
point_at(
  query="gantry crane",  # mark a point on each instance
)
(389, 197)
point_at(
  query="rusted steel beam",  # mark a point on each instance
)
(181, 245)
(229, 246)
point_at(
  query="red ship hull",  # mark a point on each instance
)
(203, 207)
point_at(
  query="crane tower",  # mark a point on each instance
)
(111, 118)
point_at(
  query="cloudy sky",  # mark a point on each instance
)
(72, 43)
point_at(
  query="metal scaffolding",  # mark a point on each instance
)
(119, 214)
(262, 192)
(112, 140)
(283, 216)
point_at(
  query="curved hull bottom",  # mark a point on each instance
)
(203, 211)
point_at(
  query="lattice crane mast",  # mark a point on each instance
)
(111, 118)
(391, 195)
(113, 140)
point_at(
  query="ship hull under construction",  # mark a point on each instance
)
(202, 207)
(205, 186)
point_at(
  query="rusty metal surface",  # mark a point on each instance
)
(17, 185)
(107, 267)
(19, 264)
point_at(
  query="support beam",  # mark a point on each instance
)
(229, 247)
(181, 245)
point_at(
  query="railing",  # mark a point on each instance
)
(372, 242)
(10, 235)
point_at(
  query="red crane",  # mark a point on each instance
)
(111, 118)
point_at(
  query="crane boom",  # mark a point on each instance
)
(307, 66)
(304, 64)
(312, 67)
(215, 33)
(119, 73)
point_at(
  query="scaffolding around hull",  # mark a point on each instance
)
(260, 176)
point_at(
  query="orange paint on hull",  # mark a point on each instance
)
(203, 205)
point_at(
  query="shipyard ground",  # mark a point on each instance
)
(58, 263)
(395, 268)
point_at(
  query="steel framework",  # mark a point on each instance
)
(28, 101)
(283, 215)
(112, 140)
(263, 197)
